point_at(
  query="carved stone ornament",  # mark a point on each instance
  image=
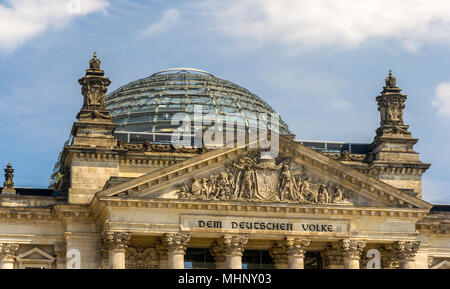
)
(60, 252)
(352, 249)
(234, 245)
(406, 250)
(391, 104)
(296, 246)
(176, 243)
(8, 251)
(94, 87)
(218, 252)
(117, 240)
(251, 178)
(388, 257)
(151, 147)
(142, 258)
(278, 254)
(332, 256)
(8, 185)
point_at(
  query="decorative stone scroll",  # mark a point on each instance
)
(151, 147)
(265, 179)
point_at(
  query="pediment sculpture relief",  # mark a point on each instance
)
(252, 178)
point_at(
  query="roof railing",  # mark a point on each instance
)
(182, 69)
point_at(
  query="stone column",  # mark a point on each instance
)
(163, 256)
(351, 252)
(218, 252)
(7, 254)
(279, 256)
(60, 253)
(234, 248)
(405, 252)
(332, 257)
(117, 243)
(296, 249)
(176, 247)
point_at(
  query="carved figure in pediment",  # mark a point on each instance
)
(287, 183)
(323, 194)
(196, 187)
(338, 195)
(245, 180)
(183, 191)
(267, 180)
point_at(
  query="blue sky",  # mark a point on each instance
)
(319, 64)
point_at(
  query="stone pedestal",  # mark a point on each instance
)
(117, 243)
(233, 247)
(351, 252)
(7, 253)
(406, 252)
(176, 248)
(296, 250)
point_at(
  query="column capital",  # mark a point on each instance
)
(234, 244)
(332, 256)
(117, 240)
(278, 254)
(60, 252)
(351, 248)
(176, 242)
(406, 250)
(296, 246)
(218, 252)
(8, 251)
(388, 257)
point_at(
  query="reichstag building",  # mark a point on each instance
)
(125, 194)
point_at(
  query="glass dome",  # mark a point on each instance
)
(147, 106)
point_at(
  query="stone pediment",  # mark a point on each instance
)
(298, 175)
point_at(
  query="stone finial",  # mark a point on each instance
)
(391, 81)
(94, 63)
(94, 88)
(8, 185)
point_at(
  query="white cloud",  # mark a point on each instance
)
(442, 99)
(20, 20)
(342, 23)
(169, 19)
